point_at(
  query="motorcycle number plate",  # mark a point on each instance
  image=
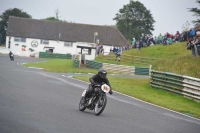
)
(83, 94)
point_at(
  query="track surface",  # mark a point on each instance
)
(32, 101)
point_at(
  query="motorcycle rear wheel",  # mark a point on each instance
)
(81, 106)
(100, 106)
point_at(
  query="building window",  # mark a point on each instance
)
(44, 42)
(19, 39)
(68, 44)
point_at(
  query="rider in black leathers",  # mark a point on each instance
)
(10, 53)
(98, 79)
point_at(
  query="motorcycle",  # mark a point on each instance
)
(95, 101)
(12, 57)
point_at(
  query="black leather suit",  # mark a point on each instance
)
(97, 80)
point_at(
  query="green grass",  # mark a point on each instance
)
(60, 65)
(140, 88)
(172, 51)
(173, 58)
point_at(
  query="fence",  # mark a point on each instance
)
(118, 68)
(94, 64)
(131, 59)
(51, 55)
(184, 85)
(76, 63)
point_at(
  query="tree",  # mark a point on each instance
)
(196, 12)
(4, 19)
(52, 19)
(186, 26)
(134, 20)
(55, 18)
(57, 14)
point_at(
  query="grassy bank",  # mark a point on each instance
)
(173, 58)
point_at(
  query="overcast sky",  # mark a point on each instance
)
(169, 15)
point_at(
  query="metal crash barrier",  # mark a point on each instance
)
(184, 85)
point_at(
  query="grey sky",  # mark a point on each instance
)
(169, 15)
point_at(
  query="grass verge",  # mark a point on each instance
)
(60, 65)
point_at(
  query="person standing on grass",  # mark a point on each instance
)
(197, 43)
(140, 44)
(190, 46)
(133, 43)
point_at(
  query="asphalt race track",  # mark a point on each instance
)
(33, 101)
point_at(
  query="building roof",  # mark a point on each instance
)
(64, 31)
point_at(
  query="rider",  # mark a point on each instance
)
(98, 79)
(10, 53)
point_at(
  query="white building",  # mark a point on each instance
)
(27, 36)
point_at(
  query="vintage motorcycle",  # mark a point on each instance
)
(95, 101)
(12, 57)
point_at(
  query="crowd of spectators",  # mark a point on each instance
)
(193, 42)
(190, 36)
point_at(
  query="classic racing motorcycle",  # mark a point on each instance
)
(95, 101)
(12, 57)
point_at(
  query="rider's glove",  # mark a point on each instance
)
(110, 92)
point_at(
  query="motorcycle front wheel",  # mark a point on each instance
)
(99, 107)
(81, 106)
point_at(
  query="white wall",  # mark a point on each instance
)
(58, 47)
(106, 49)
(92, 56)
(3, 50)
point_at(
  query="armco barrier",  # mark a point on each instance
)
(141, 71)
(184, 85)
(51, 55)
(119, 68)
(94, 64)
(122, 69)
(76, 63)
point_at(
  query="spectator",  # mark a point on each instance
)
(160, 38)
(148, 40)
(133, 43)
(118, 54)
(100, 47)
(185, 35)
(190, 46)
(192, 33)
(155, 40)
(140, 44)
(119, 51)
(177, 36)
(114, 50)
(165, 39)
(197, 44)
(169, 41)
